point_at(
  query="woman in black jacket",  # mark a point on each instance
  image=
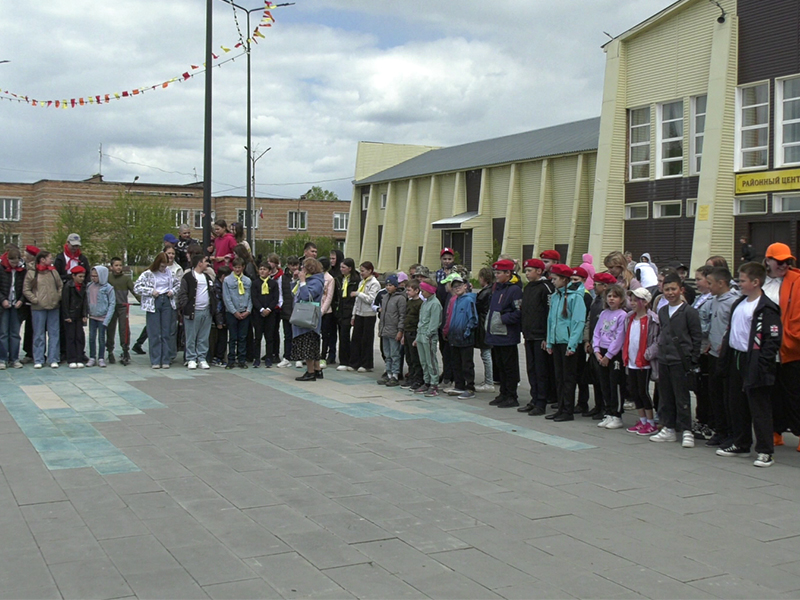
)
(345, 284)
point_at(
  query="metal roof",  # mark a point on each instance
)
(449, 222)
(568, 138)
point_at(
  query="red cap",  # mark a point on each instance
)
(535, 263)
(77, 269)
(550, 255)
(607, 278)
(580, 272)
(503, 265)
(447, 251)
(562, 270)
(32, 250)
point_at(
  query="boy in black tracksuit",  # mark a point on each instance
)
(503, 332)
(287, 283)
(535, 307)
(265, 307)
(749, 348)
(74, 314)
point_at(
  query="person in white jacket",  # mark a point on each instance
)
(364, 317)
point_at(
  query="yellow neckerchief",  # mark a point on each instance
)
(295, 288)
(240, 283)
(363, 284)
(265, 286)
(345, 283)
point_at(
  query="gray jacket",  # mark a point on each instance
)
(393, 314)
(720, 318)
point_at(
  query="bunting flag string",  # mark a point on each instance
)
(266, 21)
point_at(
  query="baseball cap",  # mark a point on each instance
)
(73, 239)
(447, 251)
(170, 238)
(550, 255)
(642, 293)
(779, 251)
(504, 265)
(453, 278)
(533, 262)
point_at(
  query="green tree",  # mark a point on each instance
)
(293, 245)
(85, 220)
(317, 193)
(491, 257)
(138, 224)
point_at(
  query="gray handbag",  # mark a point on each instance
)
(306, 315)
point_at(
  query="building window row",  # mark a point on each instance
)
(9, 209)
(757, 205)
(665, 209)
(341, 221)
(298, 220)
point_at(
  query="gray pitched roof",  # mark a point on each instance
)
(569, 138)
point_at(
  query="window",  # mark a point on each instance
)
(198, 219)
(171, 194)
(9, 209)
(268, 246)
(636, 211)
(242, 213)
(364, 201)
(698, 133)
(639, 158)
(670, 140)
(787, 117)
(10, 238)
(383, 201)
(789, 203)
(691, 207)
(297, 219)
(751, 205)
(187, 194)
(667, 210)
(340, 245)
(340, 221)
(752, 127)
(181, 216)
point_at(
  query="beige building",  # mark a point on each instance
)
(520, 194)
(29, 210)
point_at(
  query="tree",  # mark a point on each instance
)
(138, 224)
(491, 257)
(293, 245)
(85, 220)
(317, 193)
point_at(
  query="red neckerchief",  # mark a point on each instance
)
(41, 267)
(7, 265)
(78, 286)
(68, 253)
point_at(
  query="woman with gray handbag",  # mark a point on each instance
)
(306, 318)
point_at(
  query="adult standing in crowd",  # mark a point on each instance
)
(306, 342)
(42, 288)
(347, 283)
(363, 321)
(182, 246)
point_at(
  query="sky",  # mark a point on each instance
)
(327, 75)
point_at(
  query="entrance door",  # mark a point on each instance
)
(460, 240)
(764, 234)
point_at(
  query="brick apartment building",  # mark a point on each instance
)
(28, 211)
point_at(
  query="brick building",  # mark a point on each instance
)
(28, 211)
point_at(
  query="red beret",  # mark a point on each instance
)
(32, 250)
(562, 270)
(550, 255)
(607, 278)
(504, 265)
(78, 269)
(447, 251)
(580, 272)
(535, 263)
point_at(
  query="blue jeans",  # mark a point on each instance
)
(237, 338)
(391, 349)
(9, 335)
(46, 322)
(159, 326)
(96, 328)
(197, 333)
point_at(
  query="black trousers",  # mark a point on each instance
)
(786, 398)
(218, 342)
(610, 377)
(507, 360)
(566, 368)
(718, 399)
(329, 330)
(674, 409)
(362, 342)
(593, 368)
(638, 387)
(703, 392)
(536, 360)
(276, 339)
(415, 377)
(584, 376)
(264, 327)
(463, 361)
(344, 340)
(447, 363)
(287, 339)
(751, 409)
(75, 341)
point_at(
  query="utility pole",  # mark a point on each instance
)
(207, 132)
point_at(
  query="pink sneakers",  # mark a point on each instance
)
(647, 429)
(636, 428)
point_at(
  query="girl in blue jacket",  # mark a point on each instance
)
(565, 324)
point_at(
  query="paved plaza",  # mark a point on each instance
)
(134, 483)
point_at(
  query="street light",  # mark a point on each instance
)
(254, 160)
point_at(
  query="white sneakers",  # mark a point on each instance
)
(611, 422)
(688, 439)
(341, 368)
(323, 364)
(665, 435)
(298, 364)
(204, 365)
(90, 363)
(284, 363)
(484, 387)
(37, 366)
(53, 365)
(73, 365)
(192, 365)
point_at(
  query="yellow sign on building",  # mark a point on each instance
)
(768, 181)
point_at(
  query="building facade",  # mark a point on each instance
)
(28, 211)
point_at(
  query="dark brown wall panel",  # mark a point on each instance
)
(769, 39)
(679, 188)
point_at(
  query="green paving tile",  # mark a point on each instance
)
(99, 416)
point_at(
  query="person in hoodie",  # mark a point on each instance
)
(503, 328)
(535, 306)
(639, 355)
(391, 326)
(607, 340)
(588, 266)
(122, 284)
(102, 302)
(74, 313)
(221, 250)
(459, 329)
(646, 271)
(565, 324)
(12, 276)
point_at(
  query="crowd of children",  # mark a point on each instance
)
(625, 331)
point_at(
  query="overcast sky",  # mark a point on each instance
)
(329, 74)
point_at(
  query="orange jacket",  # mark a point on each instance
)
(790, 316)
